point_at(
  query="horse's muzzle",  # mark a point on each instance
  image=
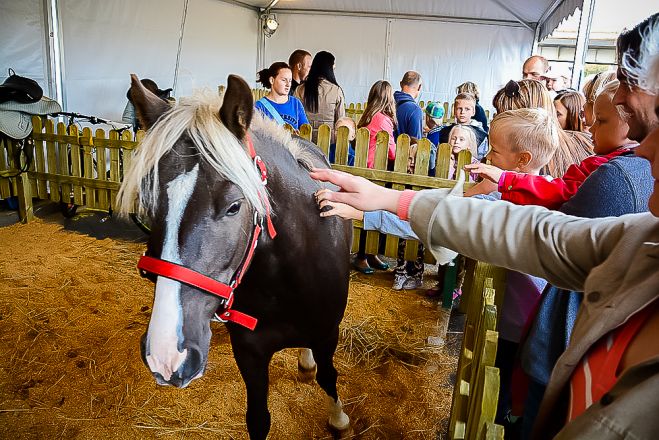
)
(192, 368)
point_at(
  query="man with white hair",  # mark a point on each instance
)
(634, 94)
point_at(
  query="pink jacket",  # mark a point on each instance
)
(380, 122)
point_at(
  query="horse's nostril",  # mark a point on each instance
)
(192, 368)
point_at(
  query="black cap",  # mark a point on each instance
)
(20, 89)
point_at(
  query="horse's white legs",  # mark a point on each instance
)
(338, 420)
(305, 359)
(306, 365)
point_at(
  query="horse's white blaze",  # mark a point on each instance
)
(337, 418)
(305, 359)
(166, 324)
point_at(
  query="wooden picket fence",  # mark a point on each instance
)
(86, 169)
(476, 389)
(68, 166)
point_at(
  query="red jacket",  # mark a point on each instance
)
(528, 189)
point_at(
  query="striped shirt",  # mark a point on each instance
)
(597, 372)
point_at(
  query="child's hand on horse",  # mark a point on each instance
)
(329, 209)
(483, 187)
(490, 172)
(357, 191)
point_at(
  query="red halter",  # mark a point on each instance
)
(195, 279)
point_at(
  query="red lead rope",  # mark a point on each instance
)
(195, 279)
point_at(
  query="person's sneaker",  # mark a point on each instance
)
(399, 281)
(412, 284)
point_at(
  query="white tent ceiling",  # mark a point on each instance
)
(189, 44)
(529, 13)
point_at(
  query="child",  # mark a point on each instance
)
(345, 121)
(434, 114)
(277, 105)
(569, 107)
(472, 89)
(461, 138)
(408, 275)
(610, 139)
(464, 109)
(591, 89)
(379, 115)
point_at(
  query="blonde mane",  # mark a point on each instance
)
(198, 117)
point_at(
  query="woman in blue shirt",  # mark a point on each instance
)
(277, 104)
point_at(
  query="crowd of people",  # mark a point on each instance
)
(581, 305)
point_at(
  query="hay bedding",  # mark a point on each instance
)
(73, 310)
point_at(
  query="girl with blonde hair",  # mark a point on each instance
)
(591, 89)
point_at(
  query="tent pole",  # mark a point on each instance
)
(536, 37)
(54, 52)
(387, 48)
(583, 36)
(180, 44)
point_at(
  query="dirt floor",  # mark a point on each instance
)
(72, 312)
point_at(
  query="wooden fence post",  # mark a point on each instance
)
(324, 135)
(23, 185)
(341, 146)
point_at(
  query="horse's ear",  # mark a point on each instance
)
(238, 106)
(148, 106)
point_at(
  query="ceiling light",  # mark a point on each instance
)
(270, 24)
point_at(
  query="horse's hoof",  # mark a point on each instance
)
(306, 374)
(341, 433)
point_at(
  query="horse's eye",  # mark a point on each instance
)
(233, 209)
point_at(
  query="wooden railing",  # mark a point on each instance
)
(476, 389)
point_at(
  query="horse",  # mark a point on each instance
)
(235, 236)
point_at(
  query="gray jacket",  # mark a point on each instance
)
(614, 261)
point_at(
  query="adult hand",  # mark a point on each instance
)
(357, 191)
(490, 172)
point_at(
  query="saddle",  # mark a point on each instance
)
(20, 99)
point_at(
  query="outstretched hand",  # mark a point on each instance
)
(356, 191)
(335, 208)
(490, 172)
(483, 187)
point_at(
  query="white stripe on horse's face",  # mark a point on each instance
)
(165, 326)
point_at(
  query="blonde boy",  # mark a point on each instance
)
(464, 108)
(347, 121)
(523, 140)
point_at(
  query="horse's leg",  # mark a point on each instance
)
(254, 370)
(306, 365)
(326, 378)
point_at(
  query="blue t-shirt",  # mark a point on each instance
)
(292, 111)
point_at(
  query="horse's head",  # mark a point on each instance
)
(201, 192)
